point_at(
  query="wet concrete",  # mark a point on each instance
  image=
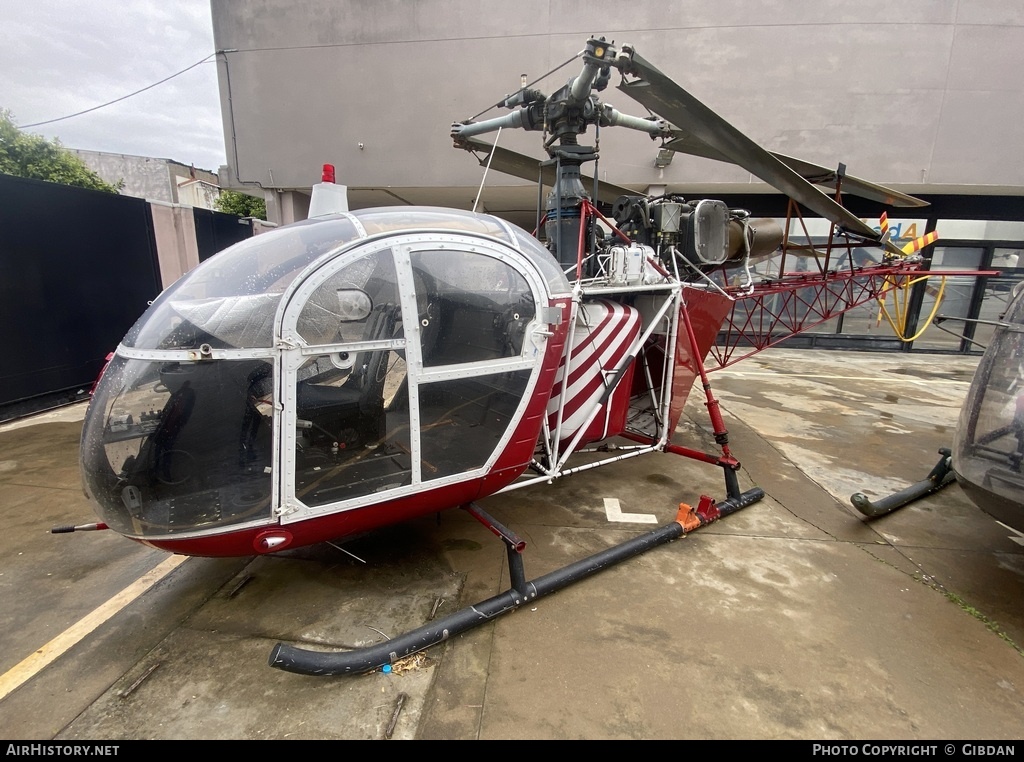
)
(794, 618)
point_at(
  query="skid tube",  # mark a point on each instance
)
(360, 660)
(940, 476)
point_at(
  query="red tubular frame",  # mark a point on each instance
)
(766, 313)
(775, 311)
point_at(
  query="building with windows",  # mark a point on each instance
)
(154, 179)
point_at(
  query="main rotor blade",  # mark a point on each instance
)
(671, 102)
(855, 186)
(528, 168)
(812, 173)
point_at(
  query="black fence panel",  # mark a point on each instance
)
(215, 231)
(77, 268)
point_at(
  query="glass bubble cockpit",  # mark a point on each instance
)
(319, 366)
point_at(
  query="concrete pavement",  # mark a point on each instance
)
(795, 618)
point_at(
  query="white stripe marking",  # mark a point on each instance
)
(32, 665)
(613, 511)
(1019, 539)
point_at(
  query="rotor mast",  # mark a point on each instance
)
(563, 116)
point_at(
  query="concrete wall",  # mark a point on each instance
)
(924, 95)
(174, 230)
(143, 176)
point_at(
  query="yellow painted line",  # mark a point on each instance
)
(32, 665)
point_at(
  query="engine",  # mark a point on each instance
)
(705, 234)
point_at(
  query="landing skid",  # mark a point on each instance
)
(939, 477)
(306, 662)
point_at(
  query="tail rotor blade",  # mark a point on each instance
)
(919, 243)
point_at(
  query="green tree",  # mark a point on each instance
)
(24, 155)
(242, 204)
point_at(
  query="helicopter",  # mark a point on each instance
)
(988, 442)
(366, 367)
(988, 446)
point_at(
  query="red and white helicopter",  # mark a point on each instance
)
(363, 368)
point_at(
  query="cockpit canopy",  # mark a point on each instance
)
(316, 365)
(230, 300)
(988, 448)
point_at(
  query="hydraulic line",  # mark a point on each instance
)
(901, 316)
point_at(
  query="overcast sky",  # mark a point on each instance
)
(58, 57)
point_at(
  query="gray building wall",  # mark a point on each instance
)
(924, 95)
(143, 176)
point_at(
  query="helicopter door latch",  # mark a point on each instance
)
(551, 315)
(285, 509)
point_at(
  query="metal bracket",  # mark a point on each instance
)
(205, 352)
